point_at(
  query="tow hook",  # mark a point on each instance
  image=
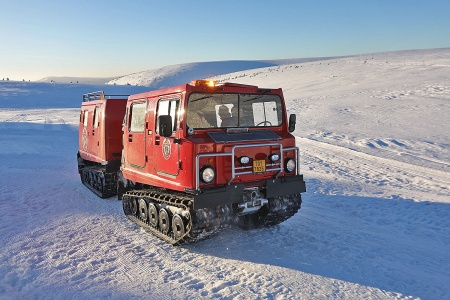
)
(252, 201)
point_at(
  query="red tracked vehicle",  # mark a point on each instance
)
(196, 157)
(100, 141)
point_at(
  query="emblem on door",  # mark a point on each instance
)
(166, 148)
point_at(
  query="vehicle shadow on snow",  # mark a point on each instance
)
(395, 245)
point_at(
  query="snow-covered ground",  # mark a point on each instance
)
(375, 223)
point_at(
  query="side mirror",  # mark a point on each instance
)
(292, 121)
(165, 125)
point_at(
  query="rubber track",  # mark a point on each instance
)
(108, 181)
(279, 210)
(202, 223)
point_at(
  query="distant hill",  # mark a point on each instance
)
(184, 73)
(80, 80)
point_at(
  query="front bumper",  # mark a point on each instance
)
(234, 193)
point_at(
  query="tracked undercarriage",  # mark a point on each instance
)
(171, 216)
(97, 180)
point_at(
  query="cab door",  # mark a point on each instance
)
(166, 160)
(134, 138)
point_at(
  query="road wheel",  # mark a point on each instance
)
(143, 210)
(164, 221)
(178, 226)
(153, 214)
(133, 206)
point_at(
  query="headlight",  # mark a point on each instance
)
(274, 157)
(289, 165)
(207, 174)
(244, 160)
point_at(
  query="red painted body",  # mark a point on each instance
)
(170, 162)
(100, 130)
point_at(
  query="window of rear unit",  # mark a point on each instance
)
(85, 118)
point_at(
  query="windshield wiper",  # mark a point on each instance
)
(201, 98)
(257, 96)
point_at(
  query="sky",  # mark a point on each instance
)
(99, 38)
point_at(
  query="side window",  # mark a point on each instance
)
(137, 117)
(125, 119)
(85, 118)
(168, 107)
(96, 115)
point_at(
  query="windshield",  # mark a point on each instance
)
(233, 110)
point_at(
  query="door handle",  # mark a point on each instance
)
(157, 140)
(130, 138)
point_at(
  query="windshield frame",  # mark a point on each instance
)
(234, 110)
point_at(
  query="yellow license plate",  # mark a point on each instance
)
(259, 166)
